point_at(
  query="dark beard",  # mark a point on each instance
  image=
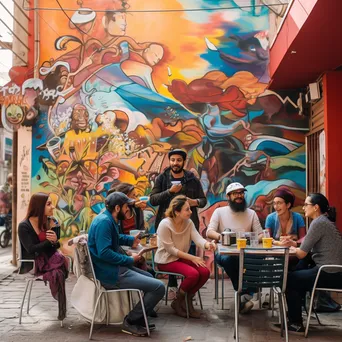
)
(177, 171)
(237, 207)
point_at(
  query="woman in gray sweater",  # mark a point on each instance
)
(175, 234)
(324, 243)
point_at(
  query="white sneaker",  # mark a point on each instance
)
(172, 294)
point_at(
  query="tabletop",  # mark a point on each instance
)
(232, 250)
(140, 249)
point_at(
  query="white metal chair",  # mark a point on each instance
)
(315, 288)
(103, 291)
(30, 279)
(259, 269)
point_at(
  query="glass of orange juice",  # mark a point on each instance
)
(267, 242)
(241, 241)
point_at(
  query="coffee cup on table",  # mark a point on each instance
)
(267, 242)
(153, 241)
(241, 241)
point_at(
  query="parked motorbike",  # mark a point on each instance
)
(6, 235)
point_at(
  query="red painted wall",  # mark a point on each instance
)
(293, 23)
(332, 125)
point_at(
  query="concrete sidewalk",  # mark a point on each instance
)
(215, 325)
(6, 268)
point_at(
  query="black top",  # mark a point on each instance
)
(31, 247)
(191, 187)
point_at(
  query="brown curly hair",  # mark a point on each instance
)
(176, 205)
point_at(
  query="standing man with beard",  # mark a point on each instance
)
(172, 182)
(114, 269)
(238, 218)
(176, 181)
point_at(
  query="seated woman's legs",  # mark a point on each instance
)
(173, 279)
(191, 280)
(203, 276)
(298, 283)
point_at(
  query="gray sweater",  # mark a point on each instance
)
(325, 242)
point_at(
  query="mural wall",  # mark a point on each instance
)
(123, 87)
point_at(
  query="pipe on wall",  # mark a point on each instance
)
(36, 40)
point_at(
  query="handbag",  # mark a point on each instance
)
(83, 299)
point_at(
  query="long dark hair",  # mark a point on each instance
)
(323, 204)
(36, 208)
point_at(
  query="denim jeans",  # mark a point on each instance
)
(231, 265)
(134, 278)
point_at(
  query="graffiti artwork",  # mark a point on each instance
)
(122, 87)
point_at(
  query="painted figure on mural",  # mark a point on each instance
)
(120, 91)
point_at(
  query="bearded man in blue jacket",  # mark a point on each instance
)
(114, 269)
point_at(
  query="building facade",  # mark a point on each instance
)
(306, 55)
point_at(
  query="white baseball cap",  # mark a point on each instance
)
(233, 187)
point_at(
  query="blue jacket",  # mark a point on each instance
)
(104, 241)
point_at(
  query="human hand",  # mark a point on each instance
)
(53, 222)
(217, 237)
(210, 246)
(136, 257)
(198, 261)
(293, 249)
(136, 241)
(192, 202)
(287, 241)
(175, 188)
(141, 204)
(51, 236)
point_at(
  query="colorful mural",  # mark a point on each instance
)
(122, 87)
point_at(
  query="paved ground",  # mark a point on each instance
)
(6, 267)
(215, 325)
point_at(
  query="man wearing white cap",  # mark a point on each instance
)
(237, 218)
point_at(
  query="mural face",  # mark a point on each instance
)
(123, 87)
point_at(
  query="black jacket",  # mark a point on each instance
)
(31, 247)
(160, 194)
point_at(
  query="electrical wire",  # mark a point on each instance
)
(154, 10)
(58, 35)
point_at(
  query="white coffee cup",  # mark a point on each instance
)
(176, 182)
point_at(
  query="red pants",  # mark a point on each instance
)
(195, 276)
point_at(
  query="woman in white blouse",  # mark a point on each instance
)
(175, 234)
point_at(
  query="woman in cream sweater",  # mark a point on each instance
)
(175, 234)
